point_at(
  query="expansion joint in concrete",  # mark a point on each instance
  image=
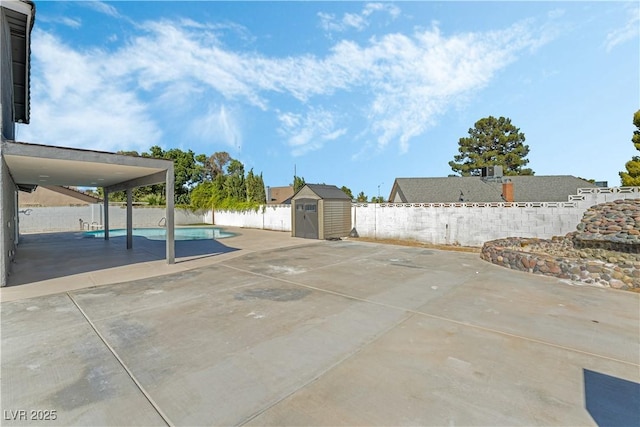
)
(155, 406)
(445, 319)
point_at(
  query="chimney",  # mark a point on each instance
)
(507, 191)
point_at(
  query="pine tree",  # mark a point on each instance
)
(631, 178)
(492, 142)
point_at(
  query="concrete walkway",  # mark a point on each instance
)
(325, 333)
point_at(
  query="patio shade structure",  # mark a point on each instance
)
(31, 165)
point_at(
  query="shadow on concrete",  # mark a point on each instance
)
(46, 256)
(611, 401)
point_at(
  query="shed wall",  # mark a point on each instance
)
(336, 218)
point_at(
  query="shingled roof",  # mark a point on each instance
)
(327, 191)
(474, 189)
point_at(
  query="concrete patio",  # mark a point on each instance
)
(274, 330)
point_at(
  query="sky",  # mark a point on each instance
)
(344, 93)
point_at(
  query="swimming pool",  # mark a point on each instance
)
(181, 233)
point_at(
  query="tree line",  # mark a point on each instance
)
(220, 181)
(201, 181)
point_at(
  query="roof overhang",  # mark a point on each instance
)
(33, 164)
(20, 18)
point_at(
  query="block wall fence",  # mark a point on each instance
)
(270, 217)
(466, 224)
(76, 218)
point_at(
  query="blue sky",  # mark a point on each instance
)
(348, 93)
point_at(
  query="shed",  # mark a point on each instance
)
(320, 212)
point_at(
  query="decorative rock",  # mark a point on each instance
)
(617, 284)
(604, 251)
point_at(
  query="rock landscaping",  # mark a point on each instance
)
(604, 251)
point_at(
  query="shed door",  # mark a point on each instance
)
(307, 218)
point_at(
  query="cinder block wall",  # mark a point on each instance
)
(465, 224)
(270, 217)
(473, 224)
(67, 218)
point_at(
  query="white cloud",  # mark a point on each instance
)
(64, 20)
(390, 8)
(310, 131)
(355, 21)
(178, 73)
(101, 7)
(75, 104)
(70, 22)
(630, 30)
(218, 125)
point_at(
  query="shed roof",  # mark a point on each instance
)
(327, 191)
(475, 189)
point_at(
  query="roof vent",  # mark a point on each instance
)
(492, 172)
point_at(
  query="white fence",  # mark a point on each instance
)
(71, 218)
(270, 217)
(467, 224)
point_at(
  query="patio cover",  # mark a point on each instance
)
(33, 164)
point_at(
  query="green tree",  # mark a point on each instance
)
(492, 142)
(347, 191)
(208, 194)
(298, 183)
(377, 199)
(214, 165)
(261, 192)
(188, 172)
(234, 184)
(361, 197)
(255, 188)
(631, 178)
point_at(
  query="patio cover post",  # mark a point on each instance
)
(129, 218)
(169, 222)
(106, 213)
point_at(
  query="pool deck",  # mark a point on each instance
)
(275, 331)
(48, 263)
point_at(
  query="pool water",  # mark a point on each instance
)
(181, 233)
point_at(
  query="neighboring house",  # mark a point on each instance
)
(279, 195)
(475, 189)
(55, 195)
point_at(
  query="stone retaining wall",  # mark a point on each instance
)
(605, 249)
(613, 226)
(522, 254)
